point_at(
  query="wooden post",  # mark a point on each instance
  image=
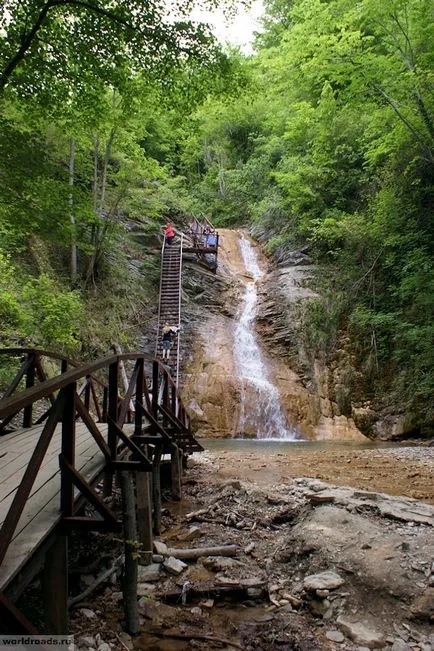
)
(138, 417)
(156, 489)
(55, 587)
(87, 393)
(129, 584)
(30, 381)
(68, 448)
(113, 390)
(175, 467)
(144, 514)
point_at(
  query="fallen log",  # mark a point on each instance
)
(205, 590)
(193, 554)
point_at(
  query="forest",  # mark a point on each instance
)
(118, 116)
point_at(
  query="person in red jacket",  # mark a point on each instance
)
(169, 234)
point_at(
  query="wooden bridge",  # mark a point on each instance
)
(60, 437)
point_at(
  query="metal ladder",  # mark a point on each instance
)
(169, 304)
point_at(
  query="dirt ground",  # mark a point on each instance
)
(407, 471)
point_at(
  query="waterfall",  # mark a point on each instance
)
(261, 412)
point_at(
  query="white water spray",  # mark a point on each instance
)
(260, 401)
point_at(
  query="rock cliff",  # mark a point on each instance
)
(211, 387)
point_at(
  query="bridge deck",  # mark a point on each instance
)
(42, 509)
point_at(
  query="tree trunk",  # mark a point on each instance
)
(71, 211)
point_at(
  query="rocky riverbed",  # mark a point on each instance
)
(299, 563)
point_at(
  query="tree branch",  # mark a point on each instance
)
(29, 37)
(26, 42)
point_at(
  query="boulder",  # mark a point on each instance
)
(361, 633)
(173, 565)
(324, 581)
(148, 573)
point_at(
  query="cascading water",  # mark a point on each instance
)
(260, 412)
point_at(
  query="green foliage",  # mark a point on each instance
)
(38, 311)
(58, 314)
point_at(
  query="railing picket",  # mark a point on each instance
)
(138, 415)
(68, 448)
(30, 381)
(112, 416)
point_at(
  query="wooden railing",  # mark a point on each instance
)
(159, 419)
(204, 237)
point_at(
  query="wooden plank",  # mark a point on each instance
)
(85, 448)
(15, 471)
(41, 513)
(42, 524)
(6, 439)
(26, 443)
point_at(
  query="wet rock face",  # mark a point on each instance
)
(211, 391)
(319, 401)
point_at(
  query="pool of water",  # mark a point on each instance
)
(279, 445)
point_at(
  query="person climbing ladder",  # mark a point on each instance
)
(169, 234)
(168, 331)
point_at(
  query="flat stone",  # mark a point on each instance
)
(160, 548)
(174, 565)
(400, 645)
(219, 563)
(249, 548)
(252, 582)
(324, 581)
(157, 558)
(191, 534)
(86, 641)
(335, 636)
(89, 614)
(320, 498)
(361, 633)
(208, 603)
(196, 610)
(148, 573)
(224, 580)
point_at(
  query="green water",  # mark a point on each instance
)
(279, 445)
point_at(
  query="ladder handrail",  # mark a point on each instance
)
(179, 312)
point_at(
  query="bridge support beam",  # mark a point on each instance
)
(176, 472)
(144, 514)
(55, 587)
(156, 489)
